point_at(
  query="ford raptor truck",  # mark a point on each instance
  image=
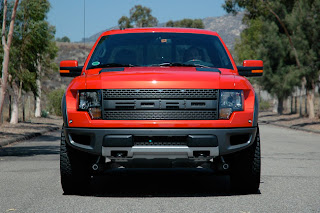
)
(167, 97)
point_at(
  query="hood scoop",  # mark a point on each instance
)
(205, 69)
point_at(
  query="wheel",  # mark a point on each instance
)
(246, 168)
(74, 168)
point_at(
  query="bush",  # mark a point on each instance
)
(264, 105)
(44, 113)
(54, 99)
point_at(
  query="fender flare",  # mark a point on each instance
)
(64, 110)
(256, 110)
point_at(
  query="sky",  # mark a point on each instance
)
(68, 15)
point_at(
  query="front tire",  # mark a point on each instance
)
(246, 168)
(74, 168)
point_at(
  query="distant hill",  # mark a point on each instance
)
(228, 27)
(67, 51)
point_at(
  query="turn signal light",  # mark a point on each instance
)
(95, 113)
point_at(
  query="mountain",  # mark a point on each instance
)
(228, 27)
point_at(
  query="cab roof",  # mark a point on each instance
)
(160, 30)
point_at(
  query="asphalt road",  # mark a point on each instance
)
(30, 181)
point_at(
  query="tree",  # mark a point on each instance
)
(139, 17)
(44, 62)
(6, 44)
(63, 39)
(281, 75)
(288, 17)
(304, 22)
(32, 39)
(124, 22)
(188, 23)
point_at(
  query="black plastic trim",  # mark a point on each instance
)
(247, 71)
(74, 71)
(160, 114)
(64, 110)
(222, 135)
(256, 111)
(202, 141)
(160, 93)
(117, 141)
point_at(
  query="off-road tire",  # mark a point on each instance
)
(74, 168)
(246, 168)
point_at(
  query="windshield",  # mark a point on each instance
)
(159, 49)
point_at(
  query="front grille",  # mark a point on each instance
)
(160, 141)
(160, 115)
(160, 104)
(160, 93)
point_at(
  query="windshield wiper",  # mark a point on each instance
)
(171, 64)
(176, 64)
(111, 65)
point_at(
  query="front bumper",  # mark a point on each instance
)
(215, 142)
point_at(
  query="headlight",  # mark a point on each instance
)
(90, 100)
(230, 101)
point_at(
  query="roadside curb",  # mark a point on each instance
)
(27, 136)
(291, 127)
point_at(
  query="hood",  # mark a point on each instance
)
(158, 77)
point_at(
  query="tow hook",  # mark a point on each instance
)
(225, 166)
(95, 166)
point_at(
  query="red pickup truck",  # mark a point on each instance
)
(162, 97)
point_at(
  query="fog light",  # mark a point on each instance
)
(95, 113)
(225, 113)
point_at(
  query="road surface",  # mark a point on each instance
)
(30, 181)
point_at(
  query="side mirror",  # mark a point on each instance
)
(251, 68)
(70, 68)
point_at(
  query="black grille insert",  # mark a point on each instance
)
(160, 115)
(160, 93)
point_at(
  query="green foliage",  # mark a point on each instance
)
(276, 30)
(188, 23)
(246, 47)
(54, 99)
(304, 22)
(280, 76)
(139, 17)
(124, 22)
(63, 39)
(44, 113)
(33, 43)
